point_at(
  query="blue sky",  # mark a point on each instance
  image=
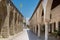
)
(26, 7)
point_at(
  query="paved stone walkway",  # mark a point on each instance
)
(26, 35)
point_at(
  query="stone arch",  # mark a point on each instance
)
(47, 10)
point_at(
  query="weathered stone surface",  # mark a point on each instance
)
(9, 23)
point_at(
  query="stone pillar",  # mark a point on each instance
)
(14, 21)
(17, 24)
(35, 29)
(56, 25)
(20, 24)
(38, 30)
(49, 27)
(46, 31)
(52, 28)
(11, 23)
(5, 28)
(12, 30)
(32, 29)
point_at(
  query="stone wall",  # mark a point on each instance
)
(9, 23)
(38, 20)
(55, 14)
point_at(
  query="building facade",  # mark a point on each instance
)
(46, 14)
(36, 19)
(11, 20)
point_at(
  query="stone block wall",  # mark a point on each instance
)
(9, 23)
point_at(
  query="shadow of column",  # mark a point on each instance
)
(32, 36)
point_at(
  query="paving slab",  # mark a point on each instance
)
(26, 35)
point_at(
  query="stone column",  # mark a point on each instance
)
(35, 29)
(20, 24)
(52, 28)
(56, 25)
(17, 24)
(14, 21)
(32, 28)
(11, 24)
(12, 27)
(5, 28)
(38, 30)
(46, 31)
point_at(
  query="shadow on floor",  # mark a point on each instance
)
(50, 37)
(32, 36)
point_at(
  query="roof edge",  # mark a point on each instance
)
(35, 9)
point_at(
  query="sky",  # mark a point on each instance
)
(26, 7)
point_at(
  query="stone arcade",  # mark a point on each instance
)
(11, 20)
